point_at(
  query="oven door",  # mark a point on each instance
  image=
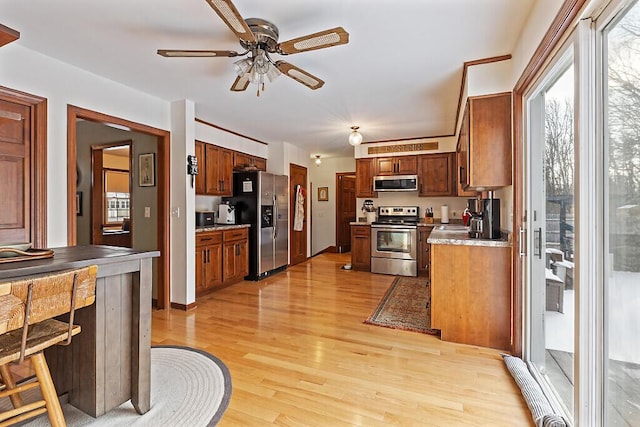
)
(394, 241)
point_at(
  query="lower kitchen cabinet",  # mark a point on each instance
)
(222, 258)
(236, 255)
(424, 252)
(361, 247)
(471, 294)
(208, 262)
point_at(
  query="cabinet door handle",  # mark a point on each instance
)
(208, 256)
(461, 175)
(205, 239)
(204, 256)
(237, 250)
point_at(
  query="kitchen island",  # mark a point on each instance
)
(109, 362)
(470, 288)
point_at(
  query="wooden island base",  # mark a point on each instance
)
(109, 362)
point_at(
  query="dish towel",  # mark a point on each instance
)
(298, 216)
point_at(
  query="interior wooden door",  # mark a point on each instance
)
(345, 210)
(15, 170)
(297, 239)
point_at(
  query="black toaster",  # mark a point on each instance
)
(205, 219)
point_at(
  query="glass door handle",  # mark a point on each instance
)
(537, 250)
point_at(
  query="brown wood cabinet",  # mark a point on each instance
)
(436, 174)
(235, 255)
(215, 165)
(471, 294)
(361, 247)
(365, 170)
(485, 143)
(401, 165)
(243, 160)
(460, 191)
(222, 258)
(208, 261)
(424, 252)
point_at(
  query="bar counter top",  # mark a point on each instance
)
(73, 257)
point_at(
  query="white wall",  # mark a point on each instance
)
(28, 71)
(540, 18)
(183, 223)
(323, 214)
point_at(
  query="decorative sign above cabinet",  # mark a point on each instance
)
(403, 148)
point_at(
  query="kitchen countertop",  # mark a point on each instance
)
(221, 227)
(458, 235)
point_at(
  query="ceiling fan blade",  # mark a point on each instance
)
(170, 53)
(230, 15)
(299, 75)
(327, 38)
(240, 84)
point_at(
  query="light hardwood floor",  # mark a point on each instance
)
(299, 354)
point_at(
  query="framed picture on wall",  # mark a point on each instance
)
(147, 170)
(323, 194)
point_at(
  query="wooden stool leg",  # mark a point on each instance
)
(7, 379)
(48, 390)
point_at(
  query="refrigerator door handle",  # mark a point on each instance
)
(275, 216)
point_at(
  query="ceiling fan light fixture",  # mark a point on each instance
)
(355, 137)
(242, 66)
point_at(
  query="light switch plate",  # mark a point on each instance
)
(147, 212)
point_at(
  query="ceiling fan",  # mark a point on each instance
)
(259, 38)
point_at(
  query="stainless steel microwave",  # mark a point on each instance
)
(395, 183)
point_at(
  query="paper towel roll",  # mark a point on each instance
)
(444, 215)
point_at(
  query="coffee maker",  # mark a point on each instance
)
(474, 206)
(485, 218)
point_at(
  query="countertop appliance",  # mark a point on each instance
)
(226, 213)
(394, 241)
(485, 218)
(205, 218)
(395, 183)
(262, 200)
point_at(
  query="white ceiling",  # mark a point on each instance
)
(399, 76)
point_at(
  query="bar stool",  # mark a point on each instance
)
(27, 324)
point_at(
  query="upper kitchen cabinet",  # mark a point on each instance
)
(365, 170)
(243, 161)
(216, 170)
(485, 143)
(436, 174)
(401, 165)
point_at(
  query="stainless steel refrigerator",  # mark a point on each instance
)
(262, 200)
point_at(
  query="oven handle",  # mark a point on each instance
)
(394, 227)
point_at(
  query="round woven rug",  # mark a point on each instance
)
(189, 387)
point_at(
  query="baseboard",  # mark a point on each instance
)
(329, 249)
(183, 307)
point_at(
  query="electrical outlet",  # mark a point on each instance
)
(454, 214)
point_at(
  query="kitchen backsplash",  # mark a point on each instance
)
(456, 204)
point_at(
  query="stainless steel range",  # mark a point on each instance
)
(394, 241)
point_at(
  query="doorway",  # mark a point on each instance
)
(345, 209)
(111, 195)
(298, 232)
(161, 140)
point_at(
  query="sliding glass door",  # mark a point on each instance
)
(582, 204)
(621, 74)
(550, 224)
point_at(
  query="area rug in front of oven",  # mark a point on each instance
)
(404, 306)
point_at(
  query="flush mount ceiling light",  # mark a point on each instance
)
(355, 137)
(318, 161)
